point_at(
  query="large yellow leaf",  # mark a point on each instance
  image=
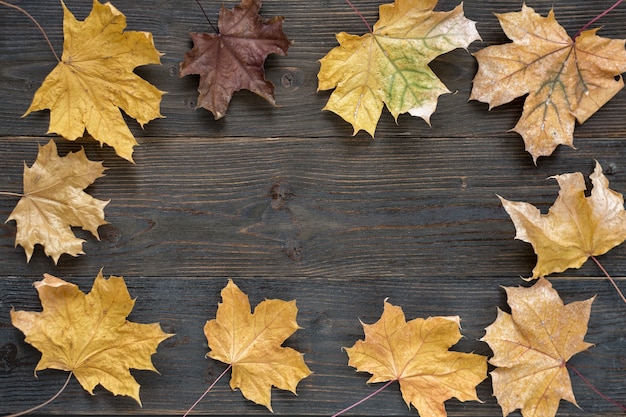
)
(95, 79)
(531, 347)
(565, 79)
(390, 64)
(251, 343)
(416, 355)
(576, 227)
(54, 200)
(88, 334)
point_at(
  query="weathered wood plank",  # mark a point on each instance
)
(310, 207)
(312, 25)
(329, 312)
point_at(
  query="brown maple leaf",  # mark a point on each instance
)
(233, 59)
(88, 334)
(95, 78)
(54, 201)
(251, 343)
(389, 65)
(416, 354)
(566, 80)
(576, 227)
(531, 347)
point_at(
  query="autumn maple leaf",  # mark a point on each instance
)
(531, 347)
(251, 344)
(95, 78)
(390, 64)
(416, 354)
(233, 59)
(88, 334)
(566, 80)
(576, 227)
(54, 200)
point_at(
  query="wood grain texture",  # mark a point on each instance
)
(287, 203)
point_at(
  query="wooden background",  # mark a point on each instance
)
(289, 205)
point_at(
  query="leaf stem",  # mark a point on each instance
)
(11, 194)
(592, 21)
(216, 30)
(207, 390)
(37, 407)
(361, 15)
(594, 389)
(364, 399)
(43, 32)
(610, 279)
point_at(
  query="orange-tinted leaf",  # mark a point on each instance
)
(95, 79)
(54, 201)
(88, 334)
(251, 343)
(531, 347)
(233, 59)
(416, 354)
(390, 65)
(576, 227)
(565, 79)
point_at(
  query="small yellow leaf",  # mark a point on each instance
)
(54, 201)
(251, 343)
(88, 334)
(390, 64)
(95, 79)
(576, 227)
(416, 354)
(531, 347)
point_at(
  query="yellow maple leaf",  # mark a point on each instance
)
(565, 79)
(88, 334)
(416, 354)
(95, 78)
(390, 64)
(251, 343)
(54, 200)
(531, 347)
(576, 227)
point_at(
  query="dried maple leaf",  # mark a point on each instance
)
(88, 334)
(233, 59)
(390, 64)
(54, 200)
(416, 354)
(251, 343)
(565, 79)
(95, 78)
(531, 347)
(576, 227)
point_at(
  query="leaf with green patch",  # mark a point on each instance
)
(389, 65)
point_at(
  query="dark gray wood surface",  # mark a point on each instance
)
(289, 205)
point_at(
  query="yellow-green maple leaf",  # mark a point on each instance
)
(95, 78)
(390, 64)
